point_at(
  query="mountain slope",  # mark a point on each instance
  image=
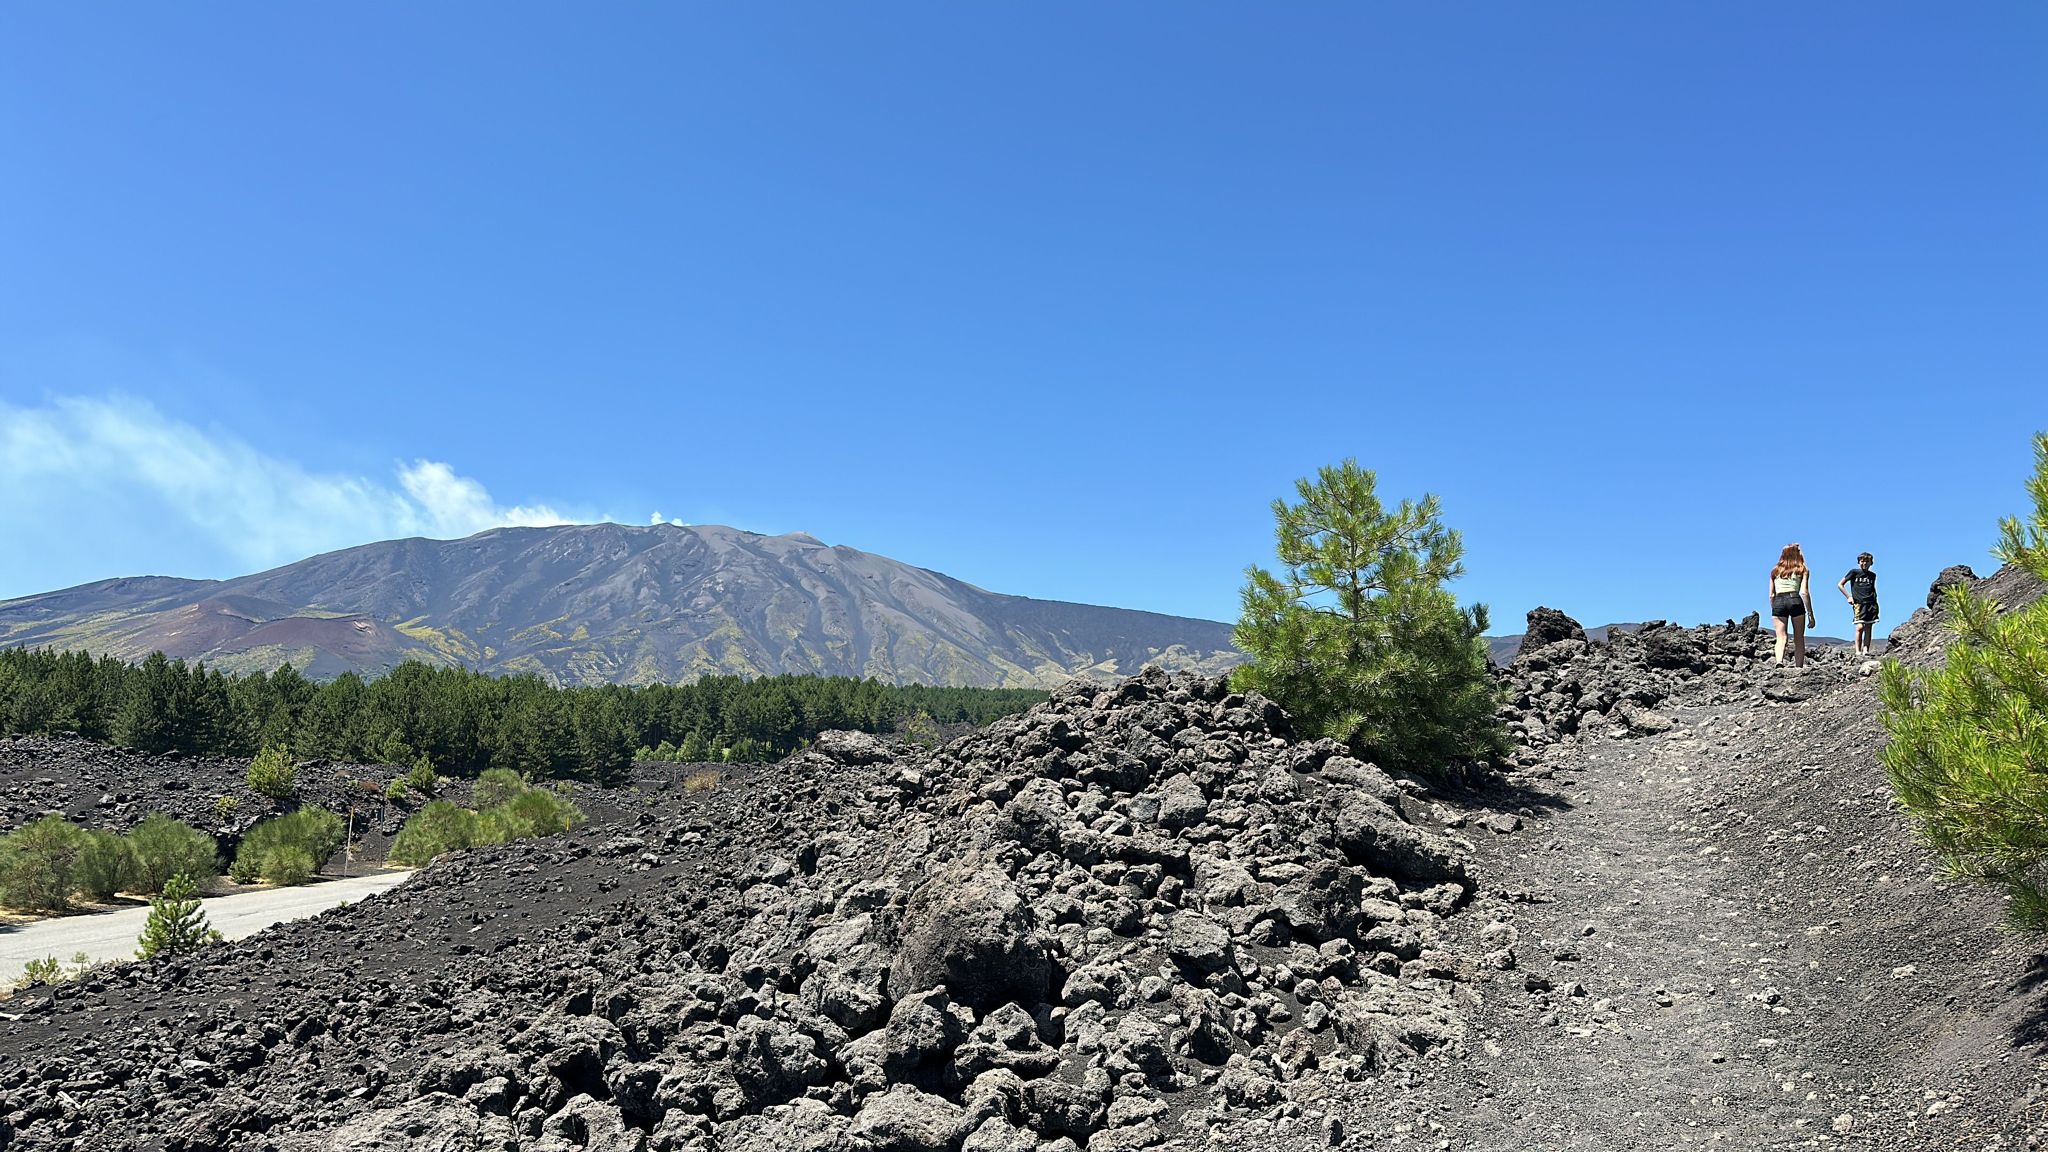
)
(608, 603)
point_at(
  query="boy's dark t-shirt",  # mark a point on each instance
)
(1862, 584)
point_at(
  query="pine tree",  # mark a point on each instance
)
(273, 773)
(176, 924)
(1968, 754)
(1358, 638)
(145, 721)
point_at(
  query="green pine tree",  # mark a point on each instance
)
(1968, 754)
(176, 924)
(273, 773)
(1358, 638)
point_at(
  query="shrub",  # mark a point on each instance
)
(534, 812)
(176, 924)
(1357, 637)
(496, 786)
(519, 812)
(273, 773)
(39, 863)
(421, 778)
(290, 848)
(164, 848)
(288, 865)
(919, 729)
(703, 781)
(1968, 754)
(439, 827)
(50, 970)
(224, 807)
(106, 865)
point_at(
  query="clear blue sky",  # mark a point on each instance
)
(1055, 298)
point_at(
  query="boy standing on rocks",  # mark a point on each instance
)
(1859, 587)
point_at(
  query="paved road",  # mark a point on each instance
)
(112, 935)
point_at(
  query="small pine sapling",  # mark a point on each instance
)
(177, 924)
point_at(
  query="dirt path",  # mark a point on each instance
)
(1723, 936)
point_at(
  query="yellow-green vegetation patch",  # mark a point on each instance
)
(545, 630)
(447, 642)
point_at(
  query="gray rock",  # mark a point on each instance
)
(848, 984)
(1642, 721)
(1199, 944)
(1181, 803)
(772, 1061)
(1372, 833)
(853, 748)
(905, 1119)
(1952, 576)
(999, 1135)
(799, 1126)
(968, 927)
(1548, 626)
(922, 1033)
(436, 1122)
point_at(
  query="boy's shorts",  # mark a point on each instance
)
(1866, 611)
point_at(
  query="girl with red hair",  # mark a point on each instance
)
(1791, 603)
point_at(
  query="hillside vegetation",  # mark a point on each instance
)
(463, 722)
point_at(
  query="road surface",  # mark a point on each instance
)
(112, 935)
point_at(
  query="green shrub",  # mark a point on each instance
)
(1358, 638)
(1968, 754)
(164, 848)
(439, 827)
(176, 924)
(421, 778)
(288, 849)
(534, 812)
(520, 812)
(273, 773)
(39, 864)
(288, 865)
(106, 865)
(224, 807)
(496, 786)
(50, 970)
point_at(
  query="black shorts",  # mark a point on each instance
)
(1788, 604)
(1865, 611)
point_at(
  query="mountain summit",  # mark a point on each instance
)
(609, 603)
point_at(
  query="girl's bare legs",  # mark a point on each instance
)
(1799, 641)
(1779, 622)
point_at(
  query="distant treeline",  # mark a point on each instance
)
(463, 721)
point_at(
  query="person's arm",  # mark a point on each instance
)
(1806, 592)
(1842, 586)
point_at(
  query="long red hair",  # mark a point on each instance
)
(1791, 562)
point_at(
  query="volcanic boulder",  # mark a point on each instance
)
(969, 928)
(1547, 626)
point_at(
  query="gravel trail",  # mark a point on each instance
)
(1725, 936)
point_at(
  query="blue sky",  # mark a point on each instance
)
(1055, 298)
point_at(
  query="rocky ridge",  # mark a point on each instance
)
(1561, 686)
(1127, 914)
